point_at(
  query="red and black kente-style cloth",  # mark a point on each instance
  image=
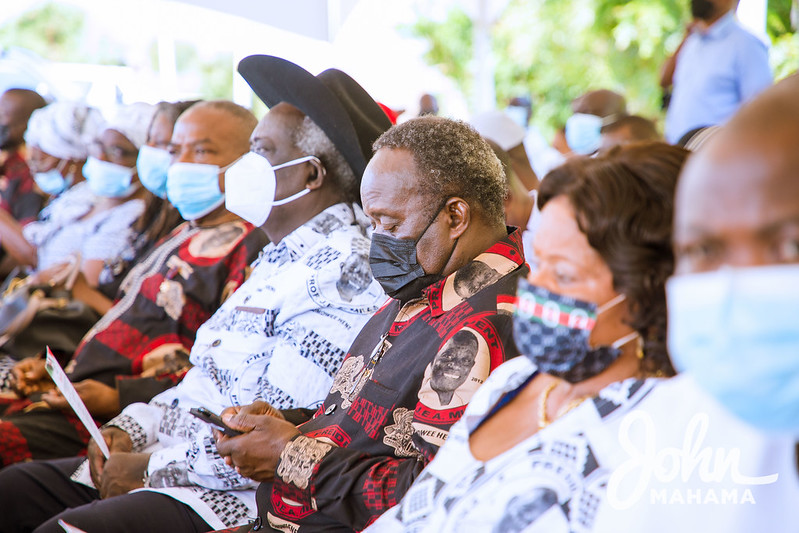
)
(406, 379)
(168, 295)
(17, 194)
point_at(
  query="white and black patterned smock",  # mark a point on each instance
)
(654, 455)
(280, 337)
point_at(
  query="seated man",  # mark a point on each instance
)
(714, 448)
(166, 297)
(280, 337)
(625, 130)
(434, 191)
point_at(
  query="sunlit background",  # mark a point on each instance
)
(472, 55)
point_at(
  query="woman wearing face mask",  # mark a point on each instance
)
(57, 139)
(591, 313)
(159, 217)
(100, 227)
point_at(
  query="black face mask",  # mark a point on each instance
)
(395, 266)
(702, 9)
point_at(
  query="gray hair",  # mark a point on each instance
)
(452, 160)
(311, 140)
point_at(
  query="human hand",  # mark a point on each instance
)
(52, 276)
(29, 376)
(255, 453)
(123, 472)
(101, 400)
(117, 440)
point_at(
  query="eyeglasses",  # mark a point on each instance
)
(112, 153)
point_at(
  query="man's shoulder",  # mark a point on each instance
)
(743, 38)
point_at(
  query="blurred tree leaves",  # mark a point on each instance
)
(556, 50)
(53, 31)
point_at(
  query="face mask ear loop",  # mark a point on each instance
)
(291, 198)
(616, 300)
(624, 340)
(297, 162)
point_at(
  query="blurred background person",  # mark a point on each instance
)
(625, 130)
(57, 140)
(18, 197)
(500, 128)
(428, 105)
(590, 112)
(100, 229)
(543, 157)
(718, 67)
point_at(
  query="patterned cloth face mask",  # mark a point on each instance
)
(553, 330)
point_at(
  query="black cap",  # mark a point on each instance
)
(333, 100)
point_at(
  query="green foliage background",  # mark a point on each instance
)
(56, 32)
(555, 50)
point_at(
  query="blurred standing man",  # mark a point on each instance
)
(17, 194)
(718, 67)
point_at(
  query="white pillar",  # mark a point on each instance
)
(484, 93)
(167, 64)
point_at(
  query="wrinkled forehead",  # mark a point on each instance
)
(738, 182)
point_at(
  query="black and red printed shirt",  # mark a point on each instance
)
(17, 195)
(406, 379)
(166, 297)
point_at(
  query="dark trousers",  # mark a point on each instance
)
(33, 496)
(35, 431)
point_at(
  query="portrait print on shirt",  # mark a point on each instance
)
(218, 242)
(459, 367)
(344, 280)
(356, 276)
(174, 474)
(474, 276)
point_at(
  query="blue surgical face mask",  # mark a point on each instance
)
(153, 164)
(193, 188)
(108, 180)
(583, 133)
(736, 331)
(52, 181)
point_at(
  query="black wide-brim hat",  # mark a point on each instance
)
(333, 100)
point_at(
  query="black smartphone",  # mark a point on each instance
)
(210, 418)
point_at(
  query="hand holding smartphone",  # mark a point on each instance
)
(210, 418)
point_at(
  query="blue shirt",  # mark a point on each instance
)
(716, 72)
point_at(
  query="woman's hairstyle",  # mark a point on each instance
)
(623, 203)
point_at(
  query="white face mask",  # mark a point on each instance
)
(250, 187)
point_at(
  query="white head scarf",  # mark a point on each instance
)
(498, 127)
(133, 121)
(64, 129)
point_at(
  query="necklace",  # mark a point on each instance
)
(543, 419)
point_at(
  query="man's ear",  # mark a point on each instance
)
(460, 216)
(317, 175)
